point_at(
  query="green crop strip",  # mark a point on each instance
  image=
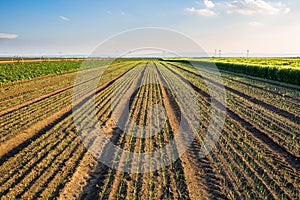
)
(285, 70)
(21, 71)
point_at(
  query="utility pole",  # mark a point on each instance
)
(220, 53)
(248, 53)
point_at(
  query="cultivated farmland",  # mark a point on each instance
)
(257, 155)
(278, 69)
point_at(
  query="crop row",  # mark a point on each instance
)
(60, 145)
(140, 113)
(24, 117)
(260, 180)
(108, 172)
(14, 94)
(280, 129)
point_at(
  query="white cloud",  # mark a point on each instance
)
(125, 13)
(203, 12)
(243, 7)
(207, 11)
(255, 24)
(209, 4)
(64, 18)
(251, 7)
(8, 36)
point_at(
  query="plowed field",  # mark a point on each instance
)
(257, 155)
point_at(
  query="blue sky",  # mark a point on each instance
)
(64, 27)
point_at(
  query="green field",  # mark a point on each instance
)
(279, 69)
